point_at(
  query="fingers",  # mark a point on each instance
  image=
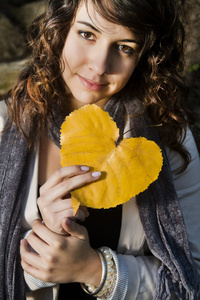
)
(55, 202)
(28, 256)
(74, 229)
(56, 207)
(34, 265)
(59, 259)
(36, 244)
(85, 210)
(62, 173)
(44, 235)
(63, 187)
(54, 212)
(81, 214)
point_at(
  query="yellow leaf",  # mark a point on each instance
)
(88, 137)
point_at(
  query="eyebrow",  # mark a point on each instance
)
(129, 41)
(97, 30)
(89, 25)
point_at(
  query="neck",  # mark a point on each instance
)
(74, 104)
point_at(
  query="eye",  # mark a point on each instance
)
(126, 49)
(86, 35)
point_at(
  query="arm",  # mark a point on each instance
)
(188, 189)
(137, 274)
(60, 258)
(55, 206)
(142, 270)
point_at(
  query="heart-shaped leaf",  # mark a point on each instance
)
(88, 137)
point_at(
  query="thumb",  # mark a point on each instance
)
(75, 229)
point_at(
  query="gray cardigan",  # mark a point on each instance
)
(141, 271)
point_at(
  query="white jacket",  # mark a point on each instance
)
(137, 273)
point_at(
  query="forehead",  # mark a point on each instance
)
(88, 13)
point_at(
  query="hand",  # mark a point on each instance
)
(55, 202)
(61, 259)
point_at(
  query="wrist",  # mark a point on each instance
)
(92, 269)
(108, 278)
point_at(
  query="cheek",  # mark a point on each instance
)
(126, 69)
(70, 66)
(125, 76)
(74, 56)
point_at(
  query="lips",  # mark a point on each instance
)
(92, 85)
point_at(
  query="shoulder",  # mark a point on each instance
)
(187, 185)
(189, 179)
(175, 158)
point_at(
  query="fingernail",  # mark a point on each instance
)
(84, 168)
(96, 174)
(68, 221)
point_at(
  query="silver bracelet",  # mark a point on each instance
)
(108, 279)
(111, 278)
(91, 289)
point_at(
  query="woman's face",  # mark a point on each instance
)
(99, 58)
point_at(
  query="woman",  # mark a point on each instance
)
(126, 57)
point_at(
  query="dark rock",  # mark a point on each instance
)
(25, 14)
(191, 23)
(8, 74)
(12, 41)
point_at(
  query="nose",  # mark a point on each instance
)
(100, 60)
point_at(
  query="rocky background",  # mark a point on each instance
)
(16, 15)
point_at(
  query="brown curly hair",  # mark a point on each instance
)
(157, 80)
